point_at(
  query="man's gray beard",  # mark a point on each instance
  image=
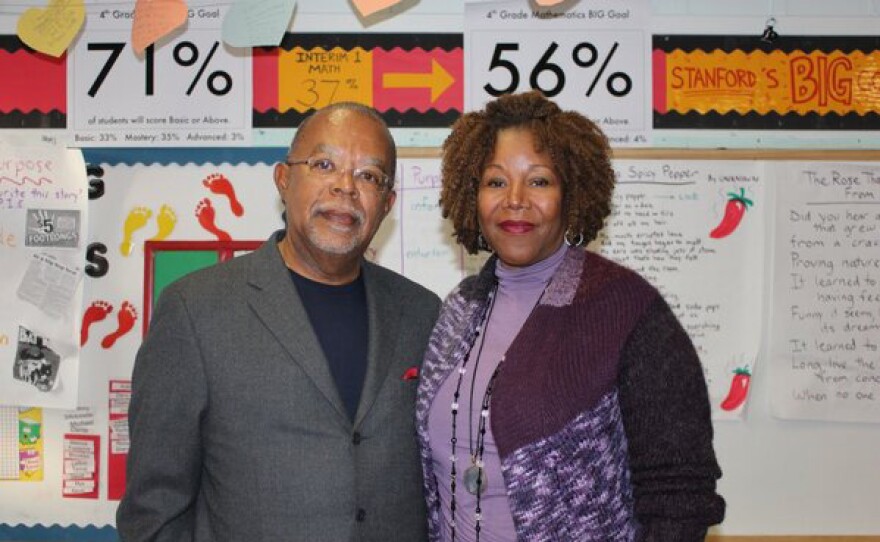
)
(335, 244)
(348, 238)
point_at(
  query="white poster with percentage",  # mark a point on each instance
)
(181, 92)
(592, 57)
(43, 227)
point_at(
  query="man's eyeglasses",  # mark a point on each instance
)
(367, 178)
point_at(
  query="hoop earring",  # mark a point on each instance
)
(573, 241)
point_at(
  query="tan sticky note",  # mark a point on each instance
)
(154, 19)
(369, 7)
(51, 29)
(548, 3)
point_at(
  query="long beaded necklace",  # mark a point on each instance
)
(474, 478)
(455, 405)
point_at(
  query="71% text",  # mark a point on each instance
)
(185, 54)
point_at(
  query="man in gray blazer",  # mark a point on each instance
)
(273, 395)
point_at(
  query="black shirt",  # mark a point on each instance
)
(338, 315)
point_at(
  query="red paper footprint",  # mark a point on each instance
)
(96, 312)
(126, 317)
(217, 183)
(206, 215)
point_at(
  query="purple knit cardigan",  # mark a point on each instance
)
(600, 414)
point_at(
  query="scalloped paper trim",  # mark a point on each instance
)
(39, 532)
(214, 156)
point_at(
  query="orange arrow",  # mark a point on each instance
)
(438, 80)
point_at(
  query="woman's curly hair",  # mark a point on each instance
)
(577, 147)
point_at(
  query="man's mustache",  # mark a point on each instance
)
(358, 215)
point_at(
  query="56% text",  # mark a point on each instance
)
(185, 54)
(584, 55)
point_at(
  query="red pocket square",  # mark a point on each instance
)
(411, 374)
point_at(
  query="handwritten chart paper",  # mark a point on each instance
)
(826, 315)
(419, 244)
(43, 225)
(695, 230)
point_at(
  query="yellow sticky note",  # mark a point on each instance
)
(548, 3)
(369, 7)
(154, 19)
(51, 29)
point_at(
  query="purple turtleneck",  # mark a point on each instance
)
(519, 290)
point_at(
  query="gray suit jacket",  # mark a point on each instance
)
(238, 432)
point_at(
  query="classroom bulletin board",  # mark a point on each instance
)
(769, 256)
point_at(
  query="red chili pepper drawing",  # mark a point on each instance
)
(733, 214)
(739, 389)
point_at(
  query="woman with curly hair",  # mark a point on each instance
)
(560, 398)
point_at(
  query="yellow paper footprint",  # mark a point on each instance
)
(165, 220)
(137, 218)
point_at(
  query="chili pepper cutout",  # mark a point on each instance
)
(739, 389)
(733, 214)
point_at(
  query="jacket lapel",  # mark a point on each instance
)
(383, 324)
(274, 299)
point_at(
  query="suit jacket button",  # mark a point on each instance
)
(356, 438)
(361, 514)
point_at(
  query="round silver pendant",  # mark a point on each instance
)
(472, 476)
